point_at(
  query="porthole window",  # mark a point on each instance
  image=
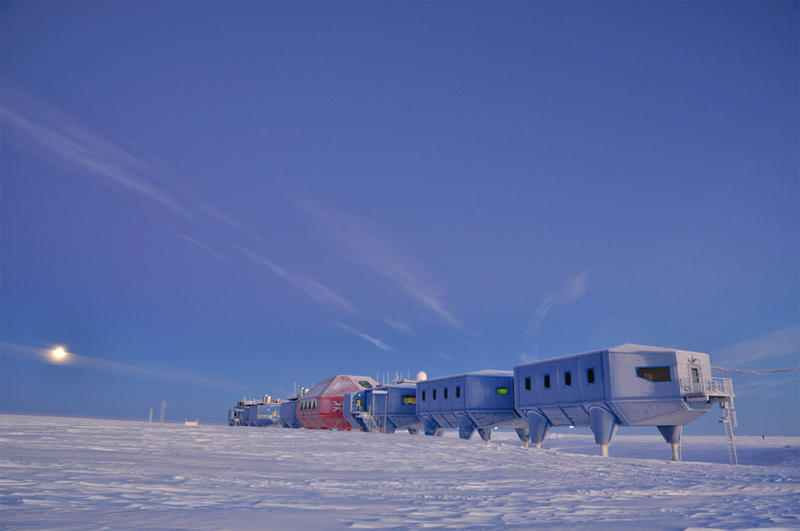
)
(365, 384)
(502, 390)
(434, 394)
(458, 391)
(568, 378)
(445, 393)
(590, 376)
(527, 384)
(547, 381)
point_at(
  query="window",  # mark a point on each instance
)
(502, 390)
(458, 391)
(590, 376)
(445, 393)
(423, 396)
(568, 378)
(365, 384)
(434, 394)
(527, 384)
(410, 399)
(654, 374)
(547, 381)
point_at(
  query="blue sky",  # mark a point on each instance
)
(208, 200)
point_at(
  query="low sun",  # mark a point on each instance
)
(59, 354)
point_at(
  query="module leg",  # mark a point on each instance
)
(604, 426)
(538, 428)
(672, 434)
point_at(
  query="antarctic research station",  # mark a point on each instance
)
(628, 385)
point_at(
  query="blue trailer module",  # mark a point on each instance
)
(629, 385)
(396, 409)
(479, 401)
(289, 414)
(386, 408)
(259, 413)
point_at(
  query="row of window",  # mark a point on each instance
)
(567, 379)
(654, 374)
(308, 404)
(499, 391)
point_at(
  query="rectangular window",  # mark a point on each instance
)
(423, 396)
(410, 399)
(458, 391)
(654, 374)
(445, 393)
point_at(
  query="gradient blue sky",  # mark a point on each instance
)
(207, 200)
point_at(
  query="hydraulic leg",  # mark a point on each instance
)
(672, 434)
(604, 426)
(539, 427)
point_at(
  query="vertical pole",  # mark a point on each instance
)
(163, 410)
(151, 416)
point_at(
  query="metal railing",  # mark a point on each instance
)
(706, 386)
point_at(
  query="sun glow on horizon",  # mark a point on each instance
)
(59, 354)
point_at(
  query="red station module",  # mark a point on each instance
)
(321, 407)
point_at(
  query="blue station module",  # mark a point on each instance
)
(629, 385)
(386, 408)
(480, 400)
(258, 413)
(289, 413)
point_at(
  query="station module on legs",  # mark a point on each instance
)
(628, 385)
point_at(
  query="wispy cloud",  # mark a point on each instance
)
(199, 244)
(574, 288)
(312, 288)
(54, 135)
(377, 342)
(363, 247)
(158, 373)
(762, 349)
(398, 325)
(779, 386)
(227, 220)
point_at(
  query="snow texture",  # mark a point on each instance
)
(65, 473)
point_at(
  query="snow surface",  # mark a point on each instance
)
(66, 473)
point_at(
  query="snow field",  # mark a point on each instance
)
(66, 473)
